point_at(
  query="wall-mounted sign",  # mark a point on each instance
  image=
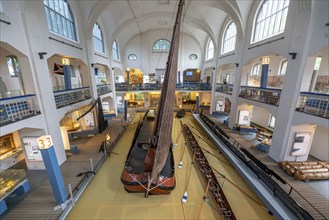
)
(220, 107)
(89, 119)
(106, 106)
(65, 61)
(266, 60)
(244, 117)
(301, 143)
(45, 142)
(32, 149)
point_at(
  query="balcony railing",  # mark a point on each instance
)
(153, 86)
(314, 104)
(103, 89)
(268, 96)
(224, 88)
(193, 86)
(17, 108)
(68, 97)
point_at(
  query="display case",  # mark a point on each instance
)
(10, 180)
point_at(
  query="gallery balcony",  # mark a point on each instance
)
(71, 96)
(194, 86)
(264, 95)
(17, 108)
(103, 89)
(314, 103)
(224, 88)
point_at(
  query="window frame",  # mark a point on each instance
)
(59, 24)
(210, 49)
(14, 63)
(228, 40)
(98, 39)
(161, 50)
(1, 8)
(257, 71)
(132, 55)
(281, 67)
(193, 55)
(271, 121)
(115, 50)
(277, 19)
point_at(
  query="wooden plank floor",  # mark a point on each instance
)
(40, 202)
(318, 201)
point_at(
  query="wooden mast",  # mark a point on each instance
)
(164, 119)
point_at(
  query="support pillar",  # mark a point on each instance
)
(67, 77)
(125, 110)
(53, 170)
(197, 105)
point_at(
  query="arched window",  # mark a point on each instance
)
(1, 9)
(283, 67)
(60, 18)
(161, 45)
(270, 19)
(210, 50)
(13, 66)
(255, 70)
(229, 38)
(193, 56)
(115, 51)
(98, 39)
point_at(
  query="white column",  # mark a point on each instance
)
(291, 87)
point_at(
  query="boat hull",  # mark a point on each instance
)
(137, 183)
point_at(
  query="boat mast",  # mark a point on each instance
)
(164, 118)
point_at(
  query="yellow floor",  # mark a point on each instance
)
(105, 197)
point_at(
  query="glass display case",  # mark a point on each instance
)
(10, 180)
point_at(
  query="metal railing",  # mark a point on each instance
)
(224, 88)
(103, 89)
(314, 104)
(153, 86)
(68, 97)
(281, 188)
(264, 95)
(17, 108)
(193, 86)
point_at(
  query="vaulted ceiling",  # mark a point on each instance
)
(123, 19)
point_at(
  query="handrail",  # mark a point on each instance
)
(68, 90)
(18, 98)
(260, 89)
(313, 94)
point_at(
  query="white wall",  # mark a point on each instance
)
(260, 116)
(142, 44)
(320, 145)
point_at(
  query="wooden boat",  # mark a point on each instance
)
(180, 113)
(140, 161)
(149, 167)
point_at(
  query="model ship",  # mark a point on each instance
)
(149, 167)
